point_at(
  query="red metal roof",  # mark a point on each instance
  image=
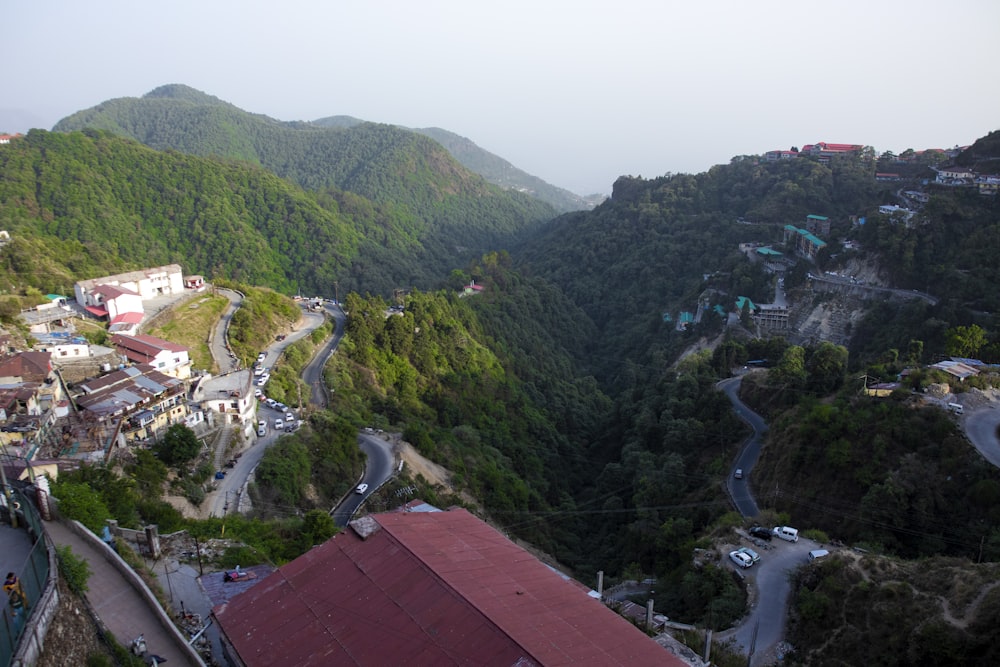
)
(428, 588)
(128, 318)
(141, 347)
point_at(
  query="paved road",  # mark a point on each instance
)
(981, 428)
(381, 461)
(228, 491)
(739, 489)
(313, 373)
(770, 590)
(218, 344)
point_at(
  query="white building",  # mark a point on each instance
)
(229, 400)
(168, 358)
(147, 283)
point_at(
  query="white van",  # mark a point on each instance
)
(818, 553)
(786, 533)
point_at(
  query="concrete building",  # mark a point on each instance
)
(146, 283)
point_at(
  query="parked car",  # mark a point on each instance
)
(361, 488)
(786, 533)
(279, 424)
(817, 553)
(740, 558)
(754, 556)
(220, 475)
(761, 532)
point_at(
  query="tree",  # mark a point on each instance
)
(826, 366)
(82, 503)
(179, 445)
(317, 527)
(964, 341)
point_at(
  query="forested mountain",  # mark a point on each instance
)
(339, 151)
(659, 245)
(135, 206)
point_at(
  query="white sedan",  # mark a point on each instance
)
(361, 488)
(741, 559)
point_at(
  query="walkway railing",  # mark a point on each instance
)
(34, 576)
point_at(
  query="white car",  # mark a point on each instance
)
(754, 556)
(741, 559)
(278, 424)
(361, 488)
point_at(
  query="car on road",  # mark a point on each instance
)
(738, 474)
(220, 475)
(361, 488)
(761, 532)
(741, 559)
(278, 424)
(261, 358)
(754, 556)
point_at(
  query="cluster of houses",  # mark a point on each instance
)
(69, 400)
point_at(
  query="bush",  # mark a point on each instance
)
(75, 570)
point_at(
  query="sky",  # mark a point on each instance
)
(575, 92)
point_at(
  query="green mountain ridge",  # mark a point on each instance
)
(181, 118)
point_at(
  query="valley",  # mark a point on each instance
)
(570, 397)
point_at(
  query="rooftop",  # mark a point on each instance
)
(430, 588)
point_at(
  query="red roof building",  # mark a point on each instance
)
(167, 357)
(426, 588)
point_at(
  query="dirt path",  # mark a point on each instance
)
(435, 474)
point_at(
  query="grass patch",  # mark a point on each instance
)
(191, 325)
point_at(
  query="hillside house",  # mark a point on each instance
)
(147, 283)
(108, 302)
(775, 156)
(228, 399)
(824, 152)
(124, 392)
(988, 185)
(166, 357)
(446, 588)
(471, 288)
(955, 175)
(62, 346)
(196, 283)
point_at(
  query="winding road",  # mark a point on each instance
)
(739, 489)
(770, 587)
(229, 491)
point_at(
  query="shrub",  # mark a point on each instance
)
(75, 570)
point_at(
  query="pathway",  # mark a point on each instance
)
(118, 604)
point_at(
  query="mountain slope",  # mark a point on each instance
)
(98, 202)
(452, 214)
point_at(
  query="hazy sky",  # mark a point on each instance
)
(575, 92)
